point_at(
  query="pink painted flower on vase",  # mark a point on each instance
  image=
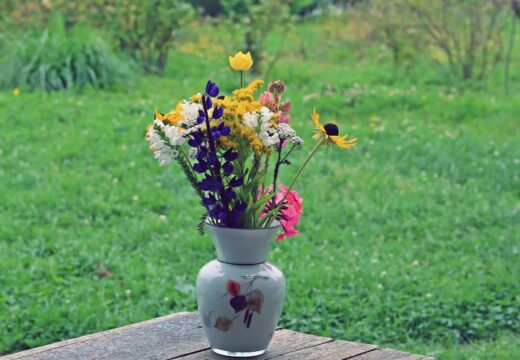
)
(291, 212)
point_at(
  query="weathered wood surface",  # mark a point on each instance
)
(180, 336)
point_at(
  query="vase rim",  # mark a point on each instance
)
(276, 224)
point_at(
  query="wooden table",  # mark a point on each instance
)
(180, 336)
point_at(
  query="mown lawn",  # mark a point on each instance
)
(409, 241)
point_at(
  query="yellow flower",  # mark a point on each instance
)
(16, 92)
(241, 61)
(247, 93)
(158, 116)
(330, 132)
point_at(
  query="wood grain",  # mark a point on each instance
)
(332, 350)
(162, 338)
(386, 354)
(284, 342)
(180, 336)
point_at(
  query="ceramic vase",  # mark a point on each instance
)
(240, 295)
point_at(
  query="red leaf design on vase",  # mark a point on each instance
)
(233, 287)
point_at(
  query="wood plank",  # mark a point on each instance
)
(385, 354)
(332, 350)
(284, 342)
(162, 338)
(180, 336)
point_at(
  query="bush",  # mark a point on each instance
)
(60, 59)
(147, 30)
(465, 36)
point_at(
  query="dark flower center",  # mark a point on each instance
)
(331, 129)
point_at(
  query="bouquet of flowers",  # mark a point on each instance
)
(232, 148)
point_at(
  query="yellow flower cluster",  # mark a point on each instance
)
(247, 93)
(226, 143)
(243, 102)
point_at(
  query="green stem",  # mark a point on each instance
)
(241, 78)
(187, 158)
(277, 165)
(288, 153)
(265, 172)
(186, 165)
(296, 176)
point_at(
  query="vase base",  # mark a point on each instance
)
(238, 353)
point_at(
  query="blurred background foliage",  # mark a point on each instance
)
(466, 39)
(417, 247)
(56, 58)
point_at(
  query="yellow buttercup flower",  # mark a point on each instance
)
(16, 92)
(241, 61)
(330, 133)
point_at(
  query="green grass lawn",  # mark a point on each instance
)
(410, 241)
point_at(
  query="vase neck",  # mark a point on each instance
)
(242, 246)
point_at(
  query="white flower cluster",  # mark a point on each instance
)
(285, 132)
(162, 151)
(190, 113)
(173, 133)
(259, 120)
(269, 134)
(253, 119)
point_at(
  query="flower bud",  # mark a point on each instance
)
(276, 86)
(286, 107)
(283, 118)
(266, 98)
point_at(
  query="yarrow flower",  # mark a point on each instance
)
(296, 140)
(285, 131)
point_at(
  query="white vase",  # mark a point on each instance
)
(240, 295)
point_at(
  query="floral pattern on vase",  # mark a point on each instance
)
(240, 304)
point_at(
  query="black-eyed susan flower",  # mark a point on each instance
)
(330, 133)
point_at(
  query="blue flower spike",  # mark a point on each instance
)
(212, 89)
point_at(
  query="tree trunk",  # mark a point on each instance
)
(514, 8)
